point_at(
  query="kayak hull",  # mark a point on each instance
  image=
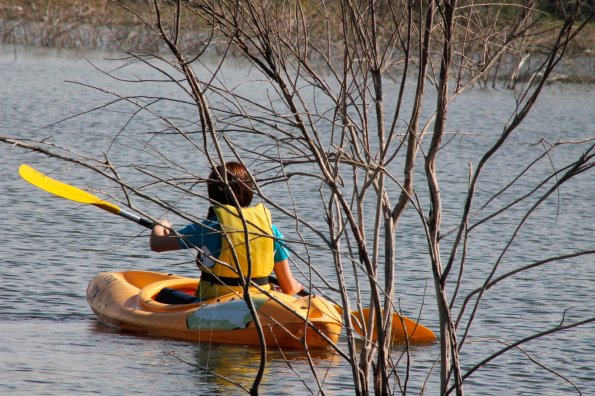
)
(127, 300)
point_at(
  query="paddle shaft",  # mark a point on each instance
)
(137, 219)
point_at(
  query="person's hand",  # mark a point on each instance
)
(163, 238)
(163, 228)
(166, 224)
(297, 288)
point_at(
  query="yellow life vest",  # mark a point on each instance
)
(233, 258)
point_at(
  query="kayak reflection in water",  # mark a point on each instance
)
(221, 238)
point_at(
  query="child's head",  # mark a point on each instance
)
(239, 180)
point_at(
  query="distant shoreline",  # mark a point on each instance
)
(131, 35)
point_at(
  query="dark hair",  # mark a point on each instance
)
(239, 181)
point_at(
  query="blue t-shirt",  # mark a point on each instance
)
(206, 236)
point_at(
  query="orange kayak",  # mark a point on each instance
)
(127, 300)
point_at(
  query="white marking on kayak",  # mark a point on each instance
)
(222, 316)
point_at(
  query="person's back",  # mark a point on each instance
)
(232, 243)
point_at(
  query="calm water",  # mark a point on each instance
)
(52, 344)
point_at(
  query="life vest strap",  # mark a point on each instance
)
(227, 281)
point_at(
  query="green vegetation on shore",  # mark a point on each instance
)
(93, 24)
(77, 23)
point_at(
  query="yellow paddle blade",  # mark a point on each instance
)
(64, 190)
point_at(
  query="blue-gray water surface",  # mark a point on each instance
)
(53, 344)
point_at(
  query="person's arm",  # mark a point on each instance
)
(287, 282)
(162, 238)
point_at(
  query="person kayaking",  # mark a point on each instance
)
(221, 238)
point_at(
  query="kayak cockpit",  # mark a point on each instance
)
(160, 296)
